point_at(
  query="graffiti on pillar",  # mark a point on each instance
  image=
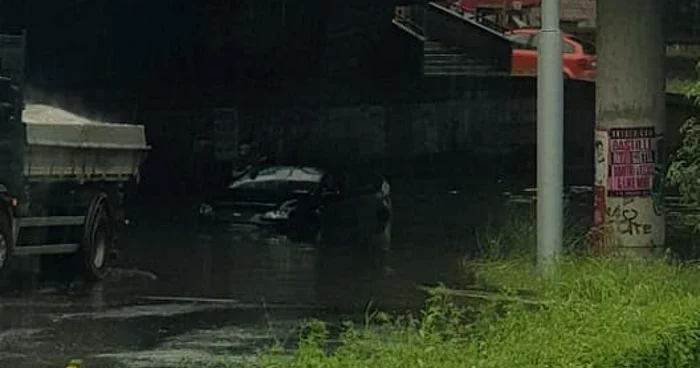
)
(631, 162)
(626, 167)
(599, 209)
(625, 219)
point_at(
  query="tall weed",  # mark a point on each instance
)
(596, 312)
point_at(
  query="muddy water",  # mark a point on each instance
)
(183, 294)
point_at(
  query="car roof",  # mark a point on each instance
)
(281, 173)
(533, 31)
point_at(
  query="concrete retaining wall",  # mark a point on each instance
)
(486, 119)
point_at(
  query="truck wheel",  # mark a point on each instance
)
(91, 261)
(97, 240)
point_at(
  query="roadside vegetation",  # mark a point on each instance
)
(681, 68)
(589, 312)
(684, 168)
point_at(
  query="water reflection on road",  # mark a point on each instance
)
(227, 263)
(203, 292)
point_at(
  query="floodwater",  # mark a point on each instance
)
(184, 295)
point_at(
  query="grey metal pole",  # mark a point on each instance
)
(550, 137)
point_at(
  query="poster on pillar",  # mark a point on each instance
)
(631, 162)
(601, 158)
(599, 187)
(627, 172)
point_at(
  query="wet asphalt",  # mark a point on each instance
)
(183, 294)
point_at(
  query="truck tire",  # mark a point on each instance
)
(90, 261)
(98, 239)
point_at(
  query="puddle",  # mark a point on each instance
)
(226, 346)
(223, 340)
(138, 311)
(160, 358)
(11, 336)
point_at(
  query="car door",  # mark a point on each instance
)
(365, 189)
(329, 193)
(529, 55)
(338, 207)
(349, 205)
(341, 218)
(524, 58)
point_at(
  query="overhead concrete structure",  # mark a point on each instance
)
(453, 44)
(630, 125)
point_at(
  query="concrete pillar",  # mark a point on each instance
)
(630, 119)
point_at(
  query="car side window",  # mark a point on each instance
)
(522, 41)
(363, 182)
(330, 183)
(326, 183)
(568, 48)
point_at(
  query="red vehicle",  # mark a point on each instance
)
(472, 5)
(578, 58)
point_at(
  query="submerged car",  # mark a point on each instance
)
(306, 203)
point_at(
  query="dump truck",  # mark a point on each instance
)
(63, 178)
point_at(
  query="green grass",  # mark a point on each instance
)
(599, 313)
(596, 312)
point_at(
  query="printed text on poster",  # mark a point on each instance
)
(631, 161)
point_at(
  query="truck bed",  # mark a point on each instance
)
(64, 146)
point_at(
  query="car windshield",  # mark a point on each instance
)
(588, 48)
(282, 179)
(522, 40)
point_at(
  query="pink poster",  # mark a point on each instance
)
(630, 161)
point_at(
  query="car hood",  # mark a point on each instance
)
(254, 200)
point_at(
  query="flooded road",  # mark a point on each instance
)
(185, 294)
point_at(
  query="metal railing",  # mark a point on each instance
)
(411, 17)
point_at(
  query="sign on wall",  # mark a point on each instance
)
(631, 161)
(627, 176)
